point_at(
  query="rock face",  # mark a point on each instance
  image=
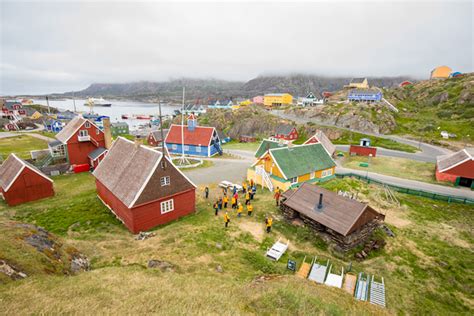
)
(369, 118)
(31, 250)
(11, 271)
(164, 266)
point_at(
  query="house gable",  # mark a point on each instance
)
(153, 190)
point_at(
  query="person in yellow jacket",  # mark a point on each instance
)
(240, 209)
(249, 209)
(244, 186)
(226, 219)
(247, 198)
(225, 200)
(234, 202)
(268, 223)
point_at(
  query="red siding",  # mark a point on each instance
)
(291, 136)
(312, 140)
(147, 216)
(78, 151)
(362, 150)
(465, 170)
(29, 186)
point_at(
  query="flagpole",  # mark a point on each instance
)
(183, 159)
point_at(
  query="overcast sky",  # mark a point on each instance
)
(63, 46)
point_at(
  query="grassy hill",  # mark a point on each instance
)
(218, 271)
(431, 106)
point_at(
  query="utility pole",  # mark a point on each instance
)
(47, 102)
(161, 131)
(183, 160)
(74, 101)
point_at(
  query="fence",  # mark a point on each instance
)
(431, 195)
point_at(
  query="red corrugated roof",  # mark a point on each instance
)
(200, 136)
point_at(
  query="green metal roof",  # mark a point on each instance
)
(300, 160)
(265, 145)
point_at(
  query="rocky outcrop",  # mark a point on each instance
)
(11, 271)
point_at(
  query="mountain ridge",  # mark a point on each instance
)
(297, 85)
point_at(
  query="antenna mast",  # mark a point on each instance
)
(161, 129)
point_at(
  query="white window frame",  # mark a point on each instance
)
(87, 124)
(198, 148)
(312, 175)
(83, 133)
(326, 173)
(166, 180)
(174, 147)
(167, 206)
(294, 180)
(97, 131)
(186, 147)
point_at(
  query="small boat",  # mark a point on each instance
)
(97, 102)
(155, 122)
(143, 117)
(125, 116)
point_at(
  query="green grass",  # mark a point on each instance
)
(426, 266)
(353, 138)
(21, 146)
(47, 134)
(397, 167)
(241, 146)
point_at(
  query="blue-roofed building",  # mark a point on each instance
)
(364, 95)
(54, 126)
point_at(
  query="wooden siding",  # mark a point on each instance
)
(29, 186)
(147, 216)
(78, 151)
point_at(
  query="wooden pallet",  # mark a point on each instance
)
(350, 283)
(318, 272)
(377, 292)
(304, 269)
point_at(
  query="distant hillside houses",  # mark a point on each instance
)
(309, 100)
(359, 83)
(441, 72)
(194, 108)
(277, 99)
(364, 95)
(221, 104)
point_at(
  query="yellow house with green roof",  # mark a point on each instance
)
(288, 167)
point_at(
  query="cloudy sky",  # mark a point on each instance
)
(62, 46)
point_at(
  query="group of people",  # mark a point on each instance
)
(249, 189)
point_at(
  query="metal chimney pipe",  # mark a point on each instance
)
(320, 204)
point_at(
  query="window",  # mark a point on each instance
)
(326, 173)
(163, 164)
(198, 149)
(174, 147)
(165, 181)
(83, 132)
(186, 148)
(97, 131)
(167, 206)
(87, 124)
(294, 180)
(311, 176)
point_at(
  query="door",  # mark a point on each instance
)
(465, 182)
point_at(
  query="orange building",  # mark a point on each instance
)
(441, 72)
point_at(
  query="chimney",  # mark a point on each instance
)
(320, 204)
(107, 132)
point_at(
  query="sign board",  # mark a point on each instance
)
(291, 265)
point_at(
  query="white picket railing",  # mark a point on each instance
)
(260, 171)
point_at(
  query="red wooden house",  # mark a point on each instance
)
(286, 132)
(154, 138)
(457, 168)
(80, 138)
(364, 149)
(142, 187)
(320, 137)
(22, 182)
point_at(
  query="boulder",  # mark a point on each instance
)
(164, 266)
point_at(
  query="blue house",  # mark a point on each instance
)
(198, 140)
(54, 126)
(364, 95)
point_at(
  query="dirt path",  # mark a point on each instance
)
(255, 229)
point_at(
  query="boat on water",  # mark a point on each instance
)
(137, 117)
(97, 102)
